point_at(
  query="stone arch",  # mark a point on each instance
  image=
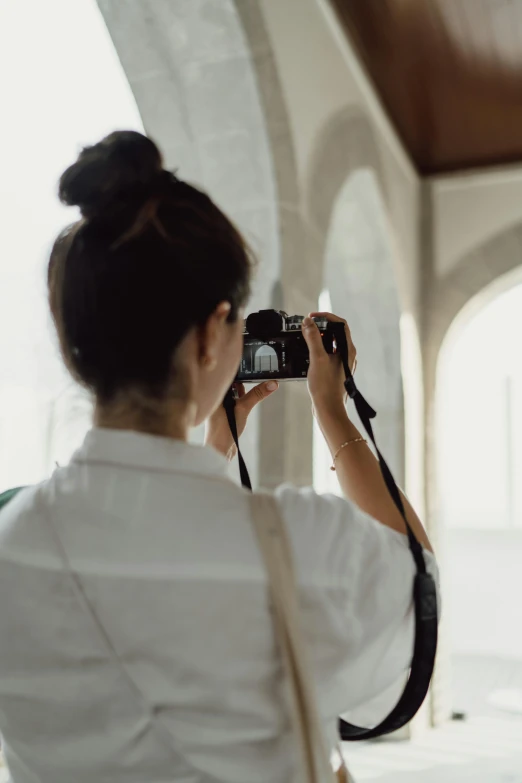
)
(480, 274)
(192, 71)
(346, 145)
(491, 263)
(346, 204)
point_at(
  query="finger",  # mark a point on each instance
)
(328, 316)
(337, 319)
(257, 394)
(334, 319)
(313, 339)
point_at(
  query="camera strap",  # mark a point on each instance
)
(424, 589)
(424, 592)
(229, 404)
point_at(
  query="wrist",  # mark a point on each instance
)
(336, 426)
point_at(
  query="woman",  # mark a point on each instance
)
(136, 639)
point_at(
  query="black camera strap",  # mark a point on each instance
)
(229, 404)
(424, 593)
(424, 589)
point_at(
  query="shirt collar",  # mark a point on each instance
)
(128, 448)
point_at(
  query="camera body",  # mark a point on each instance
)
(275, 349)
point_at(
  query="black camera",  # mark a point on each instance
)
(274, 346)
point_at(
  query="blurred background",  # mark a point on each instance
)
(371, 151)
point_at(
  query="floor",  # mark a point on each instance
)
(484, 748)
(481, 750)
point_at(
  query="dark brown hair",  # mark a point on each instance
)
(151, 257)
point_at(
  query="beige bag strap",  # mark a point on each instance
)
(277, 556)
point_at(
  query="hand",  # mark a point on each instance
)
(218, 434)
(326, 374)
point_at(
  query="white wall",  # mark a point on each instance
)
(483, 578)
(470, 209)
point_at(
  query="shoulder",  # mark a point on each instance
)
(334, 519)
(340, 544)
(311, 508)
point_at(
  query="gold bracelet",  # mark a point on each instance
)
(348, 443)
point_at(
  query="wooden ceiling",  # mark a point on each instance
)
(449, 73)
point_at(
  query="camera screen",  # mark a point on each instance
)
(283, 358)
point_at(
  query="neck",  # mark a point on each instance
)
(168, 419)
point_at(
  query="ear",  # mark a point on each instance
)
(211, 334)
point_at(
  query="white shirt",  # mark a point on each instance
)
(153, 660)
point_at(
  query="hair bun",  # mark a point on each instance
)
(121, 168)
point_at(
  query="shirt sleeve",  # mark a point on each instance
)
(355, 580)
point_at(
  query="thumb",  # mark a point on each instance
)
(313, 338)
(257, 394)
